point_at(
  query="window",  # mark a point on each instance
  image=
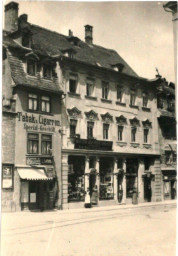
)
(31, 67)
(105, 131)
(120, 133)
(47, 71)
(119, 93)
(105, 90)
(73, 84)
(145, 100)
(132, 98)
(133, 134)
(90, 126)
(160, 102)
(45, 104)
(89, 88)
(46, 144)
(33, 143)
(73, 125)
(145, 139)
(32, 101)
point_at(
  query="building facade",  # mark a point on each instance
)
(76, 117)
(31, 124)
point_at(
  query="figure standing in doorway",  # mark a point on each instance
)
(94, 196)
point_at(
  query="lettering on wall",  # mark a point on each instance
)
(37, 123)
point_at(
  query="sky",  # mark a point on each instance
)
(141, 32)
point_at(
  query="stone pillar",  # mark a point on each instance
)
(87, 171)
(65, 170)
(115, 179)
(158, 191)
(141, 170)
(124, 181)
(98, 177)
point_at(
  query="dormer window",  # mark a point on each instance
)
(118, 67)
(31, 67)
(47, 71)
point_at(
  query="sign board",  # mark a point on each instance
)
(32, 197)
(7, 176)
(39, 160)
(93, 144)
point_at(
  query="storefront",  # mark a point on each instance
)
(169, 183)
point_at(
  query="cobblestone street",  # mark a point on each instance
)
(148, 232)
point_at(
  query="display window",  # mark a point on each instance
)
(76, 185)
(106, 179)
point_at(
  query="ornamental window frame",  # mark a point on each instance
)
(105, 131)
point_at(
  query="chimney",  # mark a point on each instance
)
(11, 17)
(88, 34)
(70, 33)
(23, 18)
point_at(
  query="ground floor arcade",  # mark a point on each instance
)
(110, 178)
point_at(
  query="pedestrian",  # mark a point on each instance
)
(94, 196)
(87, 199)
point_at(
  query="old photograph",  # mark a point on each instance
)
(89, 147)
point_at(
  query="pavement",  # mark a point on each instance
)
(137, 230)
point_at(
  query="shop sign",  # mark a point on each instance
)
(32, 197)
(93, 144)
(39, 160)
(50, 172)
(33, 160)
(37, 123)
(7, 176)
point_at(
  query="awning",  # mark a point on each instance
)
(32, 174)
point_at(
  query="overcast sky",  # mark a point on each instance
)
(141, 32)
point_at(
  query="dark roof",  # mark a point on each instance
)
(20, 77)
(50, 43)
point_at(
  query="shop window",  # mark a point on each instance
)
(131, 177)
(90, 126)
(145, 100)
(89, 88)
(120, 133)
(45, 104)
(47, 71)
(105, 131)
(132, 98)
(33, 143)
(145, 139)
(105, 90)
(32, 101)
(119, 93)
(73, 125)
(133, 134)
(31, 67)
(106, 179)
(46, 144)
(76, 189)
(73, 84)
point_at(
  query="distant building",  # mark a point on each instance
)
(75, 117)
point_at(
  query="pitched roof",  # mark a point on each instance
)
(50, 43)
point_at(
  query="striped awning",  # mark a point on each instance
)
(32, 174)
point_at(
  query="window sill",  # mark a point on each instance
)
(75, 95)
(120, 103)
(146, 109)
(121, 143)
(146, 145)
(90, 97)
(39, 112)
(133, 106)
(106, 101)
(134, 144)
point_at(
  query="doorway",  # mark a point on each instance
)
(147, 189)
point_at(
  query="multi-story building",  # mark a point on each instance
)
(167, 137)
(103, 136)
(31, 122)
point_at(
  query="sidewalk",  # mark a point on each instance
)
(118, 207)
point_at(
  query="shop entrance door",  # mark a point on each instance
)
(33, 195)
(147, 189)
(173, 189)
